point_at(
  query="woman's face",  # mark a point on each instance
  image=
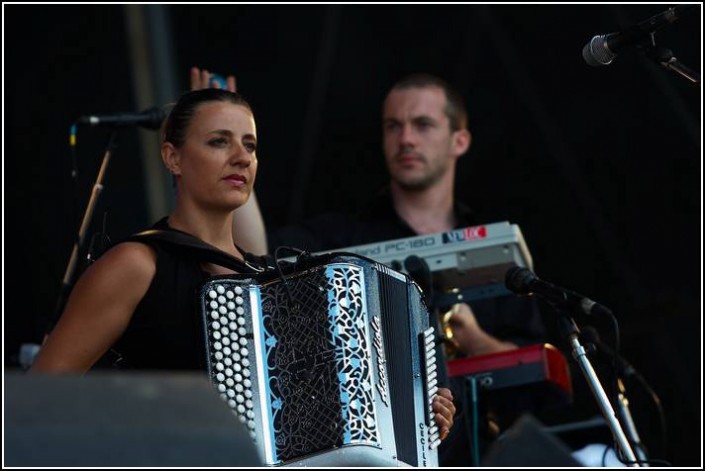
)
(217, 164)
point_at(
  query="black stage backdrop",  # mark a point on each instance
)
(600, 167)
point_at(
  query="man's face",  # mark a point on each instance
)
(418, 142)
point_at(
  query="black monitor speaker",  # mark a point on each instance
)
(121, 420)
(526, 444)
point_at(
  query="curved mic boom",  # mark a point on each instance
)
(524, 282)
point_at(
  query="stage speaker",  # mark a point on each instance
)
(121, 419)
(525, 444)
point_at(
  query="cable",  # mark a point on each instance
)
(104, 241)
(277, 264)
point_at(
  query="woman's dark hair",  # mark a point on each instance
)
(181, 114)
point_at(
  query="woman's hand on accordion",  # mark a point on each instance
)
(445, 410)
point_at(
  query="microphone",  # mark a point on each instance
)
(589, 335)
(419, 271)
(523, 281)
(603, 48)
(150, 118)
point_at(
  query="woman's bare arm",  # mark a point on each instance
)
(98, 310)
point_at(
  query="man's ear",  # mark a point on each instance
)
(461, 142)
(171, 158)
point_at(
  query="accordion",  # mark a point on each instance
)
(328, 362)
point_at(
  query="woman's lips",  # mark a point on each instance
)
(236, 180)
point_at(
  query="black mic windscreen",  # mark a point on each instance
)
(414, 263)
(518, 280)
(156, 116)
(418, 270)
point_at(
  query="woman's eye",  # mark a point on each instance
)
(250, 146)
(219, 142)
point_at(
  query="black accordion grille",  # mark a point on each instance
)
(394, 302)
(302, 367)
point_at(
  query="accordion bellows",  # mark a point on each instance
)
(330, 363)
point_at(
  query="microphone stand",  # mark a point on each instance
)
(85, 224)
(665, 57)
(623, 406)
(570, 331)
